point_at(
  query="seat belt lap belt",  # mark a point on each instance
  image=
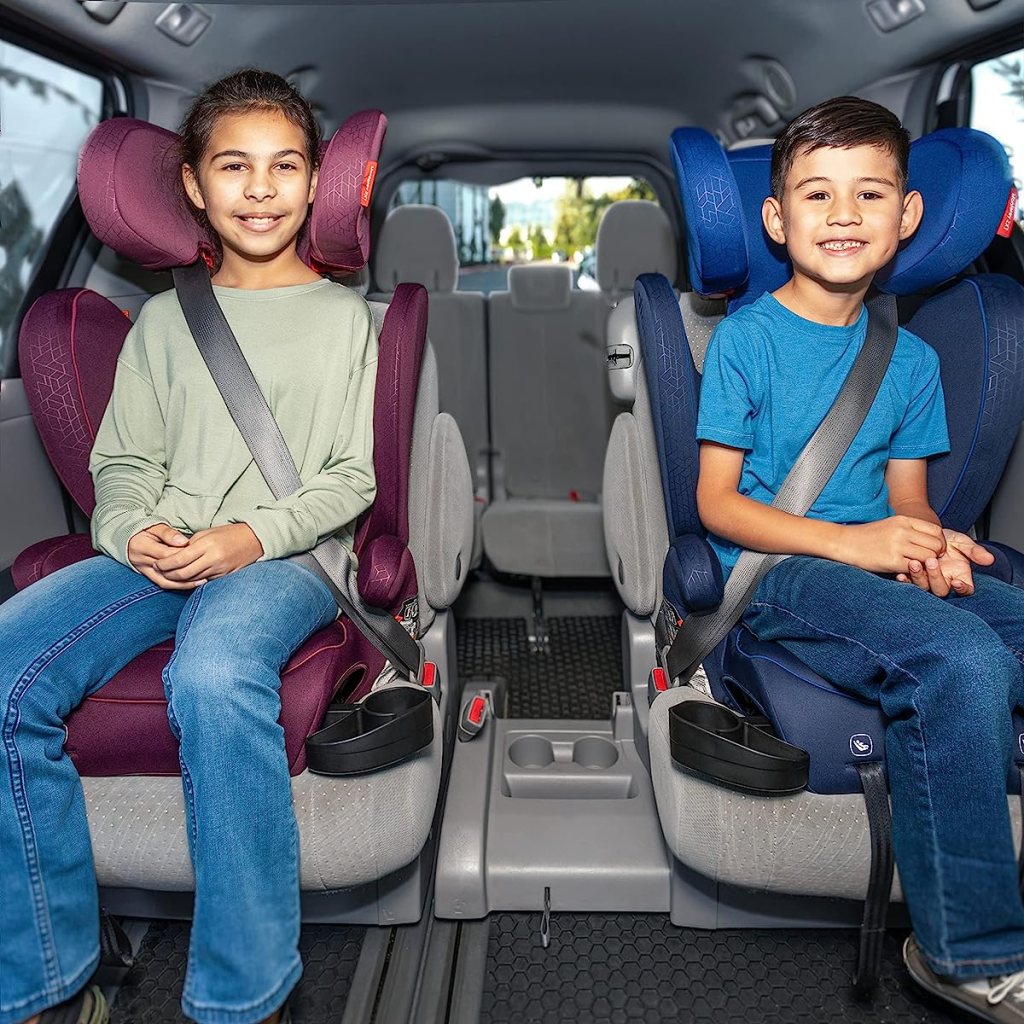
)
(330, 560)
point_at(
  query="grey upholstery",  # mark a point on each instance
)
(417, 245)
(634, 237)
(551, 417)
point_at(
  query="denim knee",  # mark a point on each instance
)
(975, 667)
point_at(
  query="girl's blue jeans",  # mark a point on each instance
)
(60, 640)
(948, 674)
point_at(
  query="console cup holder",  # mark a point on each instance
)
(594, 752)
(713, 741)
(531, 752)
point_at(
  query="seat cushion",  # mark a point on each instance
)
(545, 537)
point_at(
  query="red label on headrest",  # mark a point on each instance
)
(1006, 224)
(369, 176)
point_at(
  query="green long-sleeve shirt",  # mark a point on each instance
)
(167, 450)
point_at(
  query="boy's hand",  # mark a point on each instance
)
(889, 545)
(151, 545)
(212, 553)
(951, 571)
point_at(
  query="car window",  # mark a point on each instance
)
(529, 220)
(997, 107)
(46, 111)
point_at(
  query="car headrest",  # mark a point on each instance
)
(634, 237)
(963, 176)
(543, 288)
(416, 244)
(130, 190)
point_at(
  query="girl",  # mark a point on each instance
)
(194, 546)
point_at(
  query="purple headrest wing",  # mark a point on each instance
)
(131, 194)
(339, 228)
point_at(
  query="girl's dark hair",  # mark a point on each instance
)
(843, 122)
(242, 92)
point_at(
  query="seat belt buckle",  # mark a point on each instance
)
(473, 717)
(430, 680)
(657, 683)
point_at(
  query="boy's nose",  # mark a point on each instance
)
(844, 211)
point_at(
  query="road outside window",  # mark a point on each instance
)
(997, 107)
(46, 111)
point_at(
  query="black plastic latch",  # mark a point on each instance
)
(473, 716)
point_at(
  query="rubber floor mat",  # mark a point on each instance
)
(151, 992)
(574, 679)
(604, 968)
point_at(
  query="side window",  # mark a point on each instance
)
(46, 111)
(997, 107)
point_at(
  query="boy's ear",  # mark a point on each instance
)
(771, 217)
(192, 189)
(913, 211)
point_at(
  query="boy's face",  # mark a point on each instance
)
(842, 215)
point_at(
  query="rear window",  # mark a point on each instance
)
(46, 111)
(530, 220)
(997, 107)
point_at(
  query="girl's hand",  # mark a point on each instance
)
(951, 571)
(151, 545)
(212, 553)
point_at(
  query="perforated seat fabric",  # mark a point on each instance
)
(551, 416)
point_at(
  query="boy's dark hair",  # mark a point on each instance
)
(843, 122)
(242, 92)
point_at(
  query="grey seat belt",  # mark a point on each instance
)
(701, 633)
(330, 559)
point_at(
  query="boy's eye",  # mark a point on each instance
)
(818, 195)
(870, 195)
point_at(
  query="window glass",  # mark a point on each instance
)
(997, 107)
(46, 111)
(523, 221)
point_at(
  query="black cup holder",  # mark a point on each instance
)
(716, 743)
(380, 731)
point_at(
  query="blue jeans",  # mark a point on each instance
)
(60, 640)
(947, 674)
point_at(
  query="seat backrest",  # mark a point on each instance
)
(551, 410)
(634, 237)
(416, 244)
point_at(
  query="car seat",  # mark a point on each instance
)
(727, 843)
(363, 833)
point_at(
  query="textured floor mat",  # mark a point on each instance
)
(604, 968)
(151, 993)
(575, 679)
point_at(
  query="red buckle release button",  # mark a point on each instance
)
(473, 717)
(429, 674)
(659, 680)
(477, 707)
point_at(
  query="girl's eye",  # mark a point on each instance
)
(232, 167)
(286, 167)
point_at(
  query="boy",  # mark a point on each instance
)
(940, 651)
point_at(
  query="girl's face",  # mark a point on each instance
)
(255, 184)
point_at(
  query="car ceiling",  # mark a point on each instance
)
(559, 76)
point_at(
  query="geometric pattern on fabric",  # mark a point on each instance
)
(68, 349)
(977, 328)
(47, 556)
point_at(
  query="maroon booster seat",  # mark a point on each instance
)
(364, 834)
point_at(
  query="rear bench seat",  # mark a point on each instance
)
(551, 417)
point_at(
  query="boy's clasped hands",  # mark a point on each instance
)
(936, 559)
(174, 561)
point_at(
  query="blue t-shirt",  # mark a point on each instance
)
(770, 376)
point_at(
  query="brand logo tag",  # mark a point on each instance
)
(369, 177)
(1006, 224)
(1020, 742)
(861, 745)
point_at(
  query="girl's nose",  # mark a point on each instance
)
(259, 185)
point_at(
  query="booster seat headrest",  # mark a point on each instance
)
(130, 189)
(963, 176)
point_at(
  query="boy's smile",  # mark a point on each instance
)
(842, 215)
(254, 183)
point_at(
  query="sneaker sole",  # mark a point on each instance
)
(945, 996)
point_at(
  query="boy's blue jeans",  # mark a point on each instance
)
(60, 640)
(947, 673)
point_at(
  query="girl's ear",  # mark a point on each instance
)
(771, 217)
(913, 211)
(192, 189)
(312, 185)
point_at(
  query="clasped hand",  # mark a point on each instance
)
(174, 561)
(950, 570)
